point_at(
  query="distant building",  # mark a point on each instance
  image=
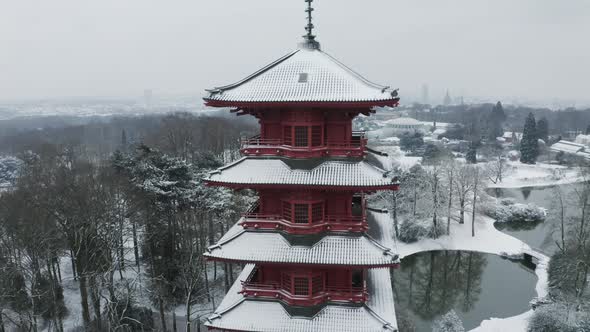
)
(447, 101)
(512, 137)
(571, 148)
(405, 124)
(425, 97)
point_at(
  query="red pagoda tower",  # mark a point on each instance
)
(316, 259)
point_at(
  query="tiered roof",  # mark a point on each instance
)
(305, 75)
(339, 174)
(255, 246)
(237, 312)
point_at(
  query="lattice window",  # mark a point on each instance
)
(317, 284)
(301, 213)
(317, 212)
(301, 285)
(287, 211)
(287, 135)
(316, 136)
(301, 138)
(286, 282)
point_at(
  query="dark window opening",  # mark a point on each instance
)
(357, 278)
(303, 77)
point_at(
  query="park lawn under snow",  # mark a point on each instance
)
(539, 175)
(487, 240)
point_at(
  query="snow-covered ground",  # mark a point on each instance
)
(487, 240)
(539, 175)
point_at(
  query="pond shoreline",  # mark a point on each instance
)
(487, 240)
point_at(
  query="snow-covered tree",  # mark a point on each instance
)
(471, 156)
(496, 119)
(543, 129)
(529, 149)
(556, 317)
(449, 322)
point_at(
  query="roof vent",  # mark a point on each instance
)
(303, 77)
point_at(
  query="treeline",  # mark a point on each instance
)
(122, 215)
(177, 134)
(560, 121)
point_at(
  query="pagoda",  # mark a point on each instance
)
(315, 259)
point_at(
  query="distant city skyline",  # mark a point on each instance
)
(530, 49)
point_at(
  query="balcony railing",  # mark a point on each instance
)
(331, 294)
(355, 147)
(332, 223)
(335, 223)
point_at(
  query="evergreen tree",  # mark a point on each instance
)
(124, 142)
(588, 130)
(471, 155)
(496, 119)
(543, 129)
(529, 149)
(411, 142)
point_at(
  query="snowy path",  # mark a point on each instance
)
(487, 240)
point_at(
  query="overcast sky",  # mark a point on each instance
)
(528, 48)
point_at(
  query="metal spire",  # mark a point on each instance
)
(309, 26)
(310, 41)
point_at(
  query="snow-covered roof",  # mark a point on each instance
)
(305, 75)
(567, 147)
(439, 131)
(345, 173)
(508, 134)
(272, 247)
(238, 313)
(404, 121)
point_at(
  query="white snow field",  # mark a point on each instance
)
(520, 175)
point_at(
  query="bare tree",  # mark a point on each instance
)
(434, 179)
(477, 191)
(450, 169)
(463, 184)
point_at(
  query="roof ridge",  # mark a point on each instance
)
(353, 72)
(229, 239)
(386, 324)
(386, 250)
(217, 315)
(255, 74)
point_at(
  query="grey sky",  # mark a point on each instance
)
(529, 48)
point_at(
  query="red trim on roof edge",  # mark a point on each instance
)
(344, 104)
(301, 186)
(367, 266)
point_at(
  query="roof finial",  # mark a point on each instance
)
(309, 26)
(310, 41)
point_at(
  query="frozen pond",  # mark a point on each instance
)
(477, 286)
(542, 235)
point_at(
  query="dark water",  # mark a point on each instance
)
(543, 235)
(477, 286)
